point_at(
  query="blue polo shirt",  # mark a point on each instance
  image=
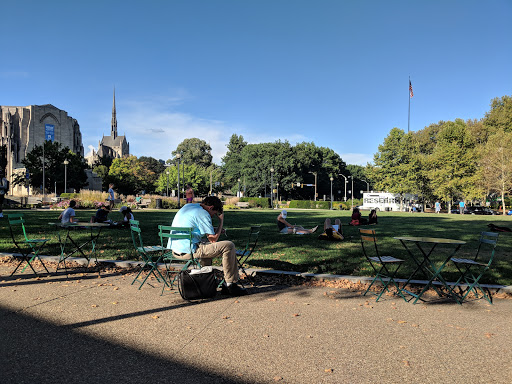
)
(191, 215)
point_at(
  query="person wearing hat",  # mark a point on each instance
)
(127, 216)
(285, 227)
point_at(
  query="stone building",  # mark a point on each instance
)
(22, 128)
(112, 146)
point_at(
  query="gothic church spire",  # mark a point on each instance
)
(113, 131)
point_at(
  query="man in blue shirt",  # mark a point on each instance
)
(199, 217)
(461, 207)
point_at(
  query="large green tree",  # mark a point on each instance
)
(232, 161)
(195, 151)
(54, 169)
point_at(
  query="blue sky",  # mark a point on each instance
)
(331, 72)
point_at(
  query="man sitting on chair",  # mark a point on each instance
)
(199, 217)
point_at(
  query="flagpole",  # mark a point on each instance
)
(409, 114)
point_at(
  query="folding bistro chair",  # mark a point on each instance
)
(243, 254)
(388, 265)
(29, 248)
(168, 234)
(472, 270)
(150, 255)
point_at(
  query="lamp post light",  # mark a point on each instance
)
(367, 185)
(178, 155)
(238, 194)
(167, 193)
(316, 174)
(277, 194)
(66, 162)
(346, 181)
(272, 187)
(331, 189)
(352, 192)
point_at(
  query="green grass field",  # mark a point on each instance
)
(302, 253)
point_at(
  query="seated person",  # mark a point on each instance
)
(138, 200)
(127, 216)
(101, 216)
(356, 218)
(332, 232)
(68, 215)
(372, 218)
(285, 227)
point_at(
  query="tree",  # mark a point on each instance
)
(496, 164)
(151, 169)
(232, 161)
(500, 115)
(195, 151)
(123, 173)
(54, 169)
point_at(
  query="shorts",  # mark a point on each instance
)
(284, 230)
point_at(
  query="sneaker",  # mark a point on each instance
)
(233, 290)
(313, 230)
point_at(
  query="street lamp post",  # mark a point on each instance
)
(367, 185)
(238, 194)
(352, 192)
(331, 190)
(178, 155)
(316, 174)
(346, 181)
(167, 193)
(272, 187)
(277, 194)
(65, 176)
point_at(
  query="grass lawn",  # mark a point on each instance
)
(302, 253)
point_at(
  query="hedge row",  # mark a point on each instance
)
(257, 202)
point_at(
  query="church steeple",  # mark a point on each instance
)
(113, 131)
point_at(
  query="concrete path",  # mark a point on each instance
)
(84, 328)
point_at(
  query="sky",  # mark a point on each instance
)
(332, 72)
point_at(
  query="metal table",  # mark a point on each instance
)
(95, 231)
(425, 265)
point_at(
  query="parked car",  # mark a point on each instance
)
(478, 210)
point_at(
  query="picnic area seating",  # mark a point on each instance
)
(388, 266)
(169, 234)
(244, 253)
(143, 203)
(28, 248)
(150, 255)
(242, 204)
(472, 270)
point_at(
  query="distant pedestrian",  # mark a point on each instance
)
(111, 196)
(438, 207)
(461, 207)
(4, 188)
(189, 194)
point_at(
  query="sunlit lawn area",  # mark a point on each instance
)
(301, 253)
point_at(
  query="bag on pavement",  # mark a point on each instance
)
(196, 284)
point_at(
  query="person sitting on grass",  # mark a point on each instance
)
(372, 218)
(127, 216)
(101, 215)
(68, 215)
(332, 232)
(285, 227)
(356, 218)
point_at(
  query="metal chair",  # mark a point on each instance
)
(388, 266)
(244, 254)
(472, 270)
(168, 234)
(25, 245)
(150, 255)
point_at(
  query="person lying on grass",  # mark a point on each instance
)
(285, 227)
(332, 232)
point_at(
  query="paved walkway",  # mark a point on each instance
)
(84, 328)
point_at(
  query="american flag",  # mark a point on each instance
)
(410, 89)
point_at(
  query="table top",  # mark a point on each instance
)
(79, 224)
(433, 240)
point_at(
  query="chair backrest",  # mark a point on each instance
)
(254, 234)
(369, 242)
(487, 243)
(168, 234)
(136, 234)
(16, 220)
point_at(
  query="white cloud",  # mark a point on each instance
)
(357, 158)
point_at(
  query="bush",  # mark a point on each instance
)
(255, 202)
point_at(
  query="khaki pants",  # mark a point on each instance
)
(207, 251)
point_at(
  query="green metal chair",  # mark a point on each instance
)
(150, 255)
(168, 234)
(244, 254)
(385, 267)
(28, 248)
(472, 270)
